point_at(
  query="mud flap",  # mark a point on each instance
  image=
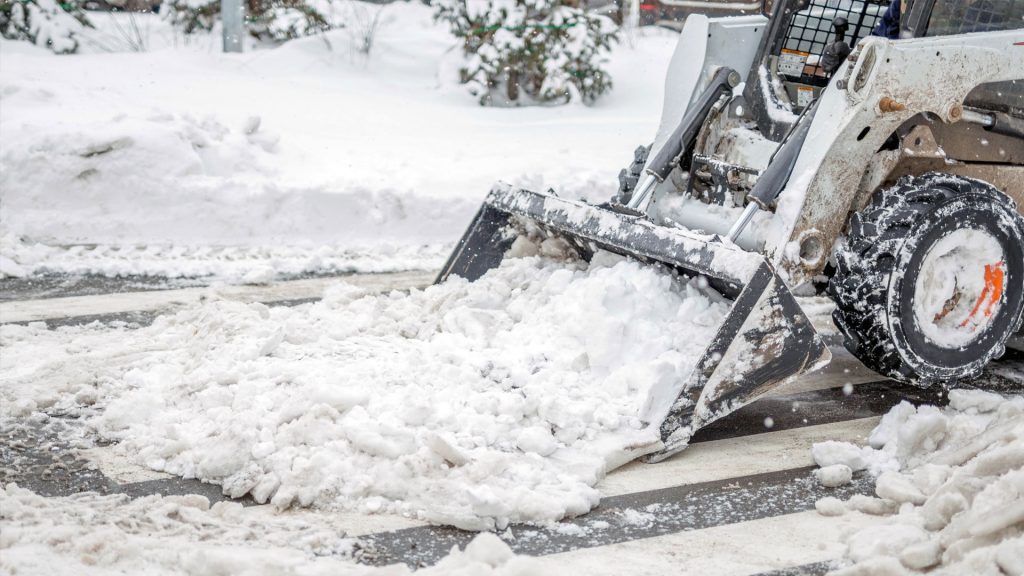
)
(764, 341)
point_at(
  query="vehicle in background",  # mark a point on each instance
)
(670, 13)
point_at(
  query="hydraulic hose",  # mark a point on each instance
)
(678, 149)
(775, 177)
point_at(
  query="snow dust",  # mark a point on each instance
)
(950, 480)
(470, 404)
(92, 535)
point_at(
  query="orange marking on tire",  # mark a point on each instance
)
(993, 293)
(997, 278)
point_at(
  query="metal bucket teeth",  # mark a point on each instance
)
(765, 340)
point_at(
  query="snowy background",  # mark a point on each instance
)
(309, 157)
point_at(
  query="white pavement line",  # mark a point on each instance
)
(111, 461)
(156, 300)
(731, 550)
(733, 457)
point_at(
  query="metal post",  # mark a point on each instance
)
(232, 18)
(633, 16)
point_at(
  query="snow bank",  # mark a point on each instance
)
(952, 480)
(476, 405)
(93, 535)
(306, 148)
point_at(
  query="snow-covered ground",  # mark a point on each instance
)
(951, 482)
(94, 535)
(308, 157)
(476, 405)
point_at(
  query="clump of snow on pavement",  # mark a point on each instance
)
(471, 404)
(92, 535)
(306, 147)
(952, 481)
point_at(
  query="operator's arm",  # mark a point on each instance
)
(889, 25)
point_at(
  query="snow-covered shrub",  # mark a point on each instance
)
(271, 20)
(192, 16)
(280, 20)
(45, 23)
(362, 23)
(527, 51)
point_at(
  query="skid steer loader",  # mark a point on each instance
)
(798, 153)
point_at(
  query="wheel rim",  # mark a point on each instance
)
(960, 290)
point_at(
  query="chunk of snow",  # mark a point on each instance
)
(885, 432)
(829, 506)
(537, 440)
(922, 555)
(831, 453)
(898, 488)
(870, 505)
(834, 476)
(883, 540)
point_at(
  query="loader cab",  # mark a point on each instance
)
(809, 33)
(787, 74)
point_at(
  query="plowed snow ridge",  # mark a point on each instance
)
(952, 481)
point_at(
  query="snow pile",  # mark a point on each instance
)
(109, 178)
(476, 405)
(91, 535)
(953, 482)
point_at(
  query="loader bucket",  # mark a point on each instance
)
(764, 341)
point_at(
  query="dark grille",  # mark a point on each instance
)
(810, 30)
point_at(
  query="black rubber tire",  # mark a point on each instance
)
(630, 176)
(876, 274)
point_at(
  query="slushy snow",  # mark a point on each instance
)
(470, 404)
(951, 481)
(94, 535)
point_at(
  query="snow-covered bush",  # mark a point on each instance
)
(362, 22)
(44, 23)
(280, 20)
(271, 20)
(530, 51)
